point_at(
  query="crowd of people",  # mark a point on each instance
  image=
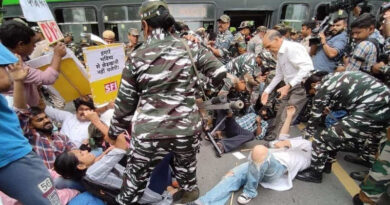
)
(141, 149)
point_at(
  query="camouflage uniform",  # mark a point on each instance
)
(367, 102)
(222, 43)
(245, 63)
(238, 38)
(378, 179)
(157, 98)
(385, 70)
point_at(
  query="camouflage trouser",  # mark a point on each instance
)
(145, 155)
(378, 179)
(365, 135)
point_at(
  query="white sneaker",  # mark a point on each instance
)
(243, 199)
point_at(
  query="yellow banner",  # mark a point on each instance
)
(72, 81)
(104, 66)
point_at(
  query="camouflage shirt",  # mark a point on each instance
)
(222, 43)
(356, 92)
(157, 91)
(245, 63)
(238, 37)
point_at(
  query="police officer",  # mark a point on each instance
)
(367, 103)
(224, 39)
(157, 98)
(244, 31)
(132, 36)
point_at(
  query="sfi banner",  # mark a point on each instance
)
(51, 31)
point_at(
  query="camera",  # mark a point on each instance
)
(342, 4)
(324, 25)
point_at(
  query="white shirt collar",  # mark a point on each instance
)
(283, 47)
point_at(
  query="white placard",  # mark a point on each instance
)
(104, 61)
(36, 10)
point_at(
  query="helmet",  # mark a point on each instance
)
(149, 8)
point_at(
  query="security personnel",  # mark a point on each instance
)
(367, 103)
(132, 36)
(244, 31)
(157, 99)
(224, 39)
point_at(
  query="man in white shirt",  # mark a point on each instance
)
(75, 126)
(293, 66)
(272, 168)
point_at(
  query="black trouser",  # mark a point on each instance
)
(235, 135)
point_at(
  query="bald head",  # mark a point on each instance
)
(272, 41)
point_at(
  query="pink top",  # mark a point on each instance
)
(36, 77)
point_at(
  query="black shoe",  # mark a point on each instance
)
(310, 175)
(356, 200)
(183, 197)
(357, 160)
(328, 168)
(359, 176)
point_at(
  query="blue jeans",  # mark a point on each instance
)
(248, 174)
(28, 180)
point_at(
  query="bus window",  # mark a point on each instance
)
(120, 18)
(194, 15)
(321, 12)
(294, 14)
(77, 20)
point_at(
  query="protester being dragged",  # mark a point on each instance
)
(366, 101)
(21, 170)
(273, 168)
(21, 39)
(293, 67)
(105, 173)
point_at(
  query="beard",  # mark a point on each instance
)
(46, 129)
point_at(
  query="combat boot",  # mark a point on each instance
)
(357, 160)
(310, 175)
(184, 197)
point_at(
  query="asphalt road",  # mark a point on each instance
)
(330, 192)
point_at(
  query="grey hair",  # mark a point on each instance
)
(272, 34)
